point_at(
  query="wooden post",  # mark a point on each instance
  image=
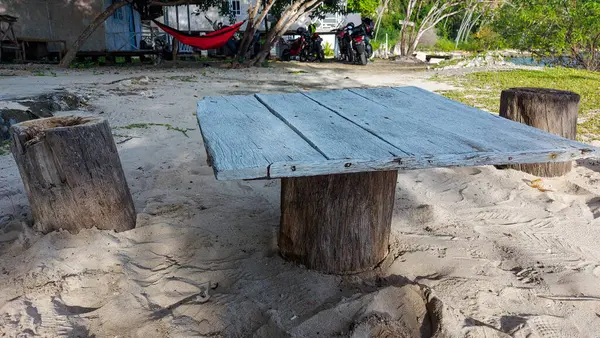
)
(554, 111)
(337, 224)
(72, 174)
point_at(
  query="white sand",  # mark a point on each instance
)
(478, 246)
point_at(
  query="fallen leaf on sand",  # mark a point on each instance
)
(538, 184)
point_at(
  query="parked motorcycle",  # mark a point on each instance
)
(306, 47)
(343, 37)
(361, 44)
(314, 48)
(295, 49)
(163, 48)
(232, 46)
(354, 42)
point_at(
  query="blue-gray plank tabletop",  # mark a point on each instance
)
(267, 136)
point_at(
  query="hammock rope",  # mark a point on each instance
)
(212, 40)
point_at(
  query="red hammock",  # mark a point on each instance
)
(212, 40)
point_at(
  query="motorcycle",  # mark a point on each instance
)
(343, 38)
(296, 49)
(354, 42)
(306, 47)
(232, 45)
(314, 49)
(361, 44)
(163, 48)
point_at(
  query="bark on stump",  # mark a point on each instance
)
(337, 224)
(72, 174)
(551, 110)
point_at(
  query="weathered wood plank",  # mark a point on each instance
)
(402, 131)
(333, 135)
(372, 130)
(298, 169)
(243, 138)
(442, 118)
(473, 119)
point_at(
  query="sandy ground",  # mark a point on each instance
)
(475, 252)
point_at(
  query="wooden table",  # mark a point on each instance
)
(338, 153)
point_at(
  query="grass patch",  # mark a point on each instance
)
(148, 125)
(183, 78)
(296, 72)
(83, 65)
(4, 147)
(39, 73)
(446, 63)
(482, 90)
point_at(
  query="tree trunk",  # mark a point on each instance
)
(337, 224)
(72, 52)
(554, 111)
(174, 48)
(248, 33)
(245, 43)
(72, 174)
(289, 16)
(282, 24)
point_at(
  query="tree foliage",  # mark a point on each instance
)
(366, 8)
(565, 31)
(421, 16)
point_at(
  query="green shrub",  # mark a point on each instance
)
(485, 39)
(470, 45)
(488, 39)
(444, 45)
(376, 44)
(4, 147)
(328, 49)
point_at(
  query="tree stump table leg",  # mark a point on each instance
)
(337, 224)
(554, 111)
(72, 174)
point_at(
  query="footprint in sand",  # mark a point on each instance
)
(546, 327)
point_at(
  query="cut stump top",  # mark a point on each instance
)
(30, 132)
(267, 136)
(544, 94)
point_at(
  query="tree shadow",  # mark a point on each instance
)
(509, 324)
(589, 163)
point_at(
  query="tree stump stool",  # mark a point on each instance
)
(337, 224)
(551, 110)
(72, 174)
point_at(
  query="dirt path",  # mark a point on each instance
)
(503, 258)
